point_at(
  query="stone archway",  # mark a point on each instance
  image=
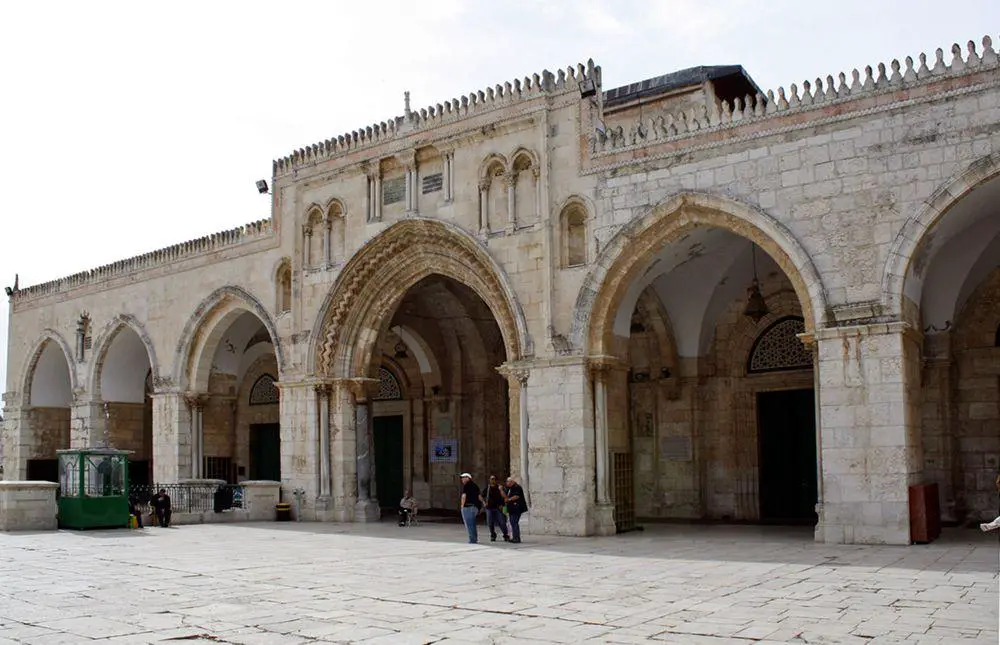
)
(632, 248)
(910, 246)
(381, 273)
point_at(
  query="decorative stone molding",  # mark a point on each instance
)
(481, 102)
(690, 126)
(370, 285)
(206, 245)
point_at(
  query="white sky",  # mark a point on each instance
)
(130, 126)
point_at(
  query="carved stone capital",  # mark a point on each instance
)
(195, 400)
(484, 184)
(515, 374)
(307, 230)
(536, 172)
(361, 387)
(605, 364)
(510, 179)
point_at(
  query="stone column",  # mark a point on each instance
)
(601, 435)
(323, 431)
(88, 422)
(448, 161)
(536, 175)
(307, 246)
(196, 407)
(343, 451)
(561, 450)
(299, 455)
(870, 440)
(15, 437)
(171, 438)
(484, 206)
(326, 241)
(517, 384)
(366, 508)
(510, 180)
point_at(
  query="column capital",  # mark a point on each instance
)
(510, 178)
(605, 363)
(307, 230)
(373, 169)
(514, 373)
(195, 400)
(361, 387)
(484, 184)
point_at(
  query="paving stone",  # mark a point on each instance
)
(331, 584)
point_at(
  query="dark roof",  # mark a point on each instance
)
(676, 80)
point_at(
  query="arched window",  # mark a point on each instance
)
(388, 386)
(264, 391)
(314, 232)
(525, 177)
(573, 229)
(778, 348)
(283, 280)
(338, 230)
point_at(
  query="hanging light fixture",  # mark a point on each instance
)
(400, 350)
(756, 307)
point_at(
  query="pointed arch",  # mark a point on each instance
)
(629, 252)
(368, 287)
(283, 286)
(192, 357)
(106, 339)
(47, 336)
(908, 246)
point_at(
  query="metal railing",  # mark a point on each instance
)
(192, 498)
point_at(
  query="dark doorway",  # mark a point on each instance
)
(43, 470)
(265, 451)
(786, 423)
(388, 434)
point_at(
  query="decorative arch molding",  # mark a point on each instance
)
(370, 284)
(909, 242)
(104, 342)
(335, 207)
(489, 161)
(221, 306)
(48, 335)
(521, 151)
(628, 253)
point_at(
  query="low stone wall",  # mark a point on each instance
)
(259, 499)
(28, 506)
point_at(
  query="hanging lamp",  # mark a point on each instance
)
(756, 307)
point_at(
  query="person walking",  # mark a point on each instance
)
(495, 501)
(516, 506)
(472, 501)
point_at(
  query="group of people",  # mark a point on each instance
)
(160, 503)
(502, 504)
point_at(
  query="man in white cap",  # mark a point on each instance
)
(472, 501)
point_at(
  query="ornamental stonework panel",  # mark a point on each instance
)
(778, 348)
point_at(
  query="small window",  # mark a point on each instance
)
(573, 225)
(388, 386)
(284, 288)
(264, 391)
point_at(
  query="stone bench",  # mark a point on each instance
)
(28, 506)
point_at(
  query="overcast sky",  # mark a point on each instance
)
(129, 126)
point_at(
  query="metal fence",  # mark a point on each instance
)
(192, 498)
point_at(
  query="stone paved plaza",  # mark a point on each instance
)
(326, 583)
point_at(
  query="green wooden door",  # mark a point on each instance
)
(388, 435)
(265, 451)
(786, 423)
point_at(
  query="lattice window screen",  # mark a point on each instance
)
(264, 391)
(778, 348)
(623, 491)
(388, 386)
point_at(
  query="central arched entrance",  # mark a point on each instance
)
(705, 404)
(413, 334)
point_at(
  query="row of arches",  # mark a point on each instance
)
(684, 405)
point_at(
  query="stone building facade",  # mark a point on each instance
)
(684, 298)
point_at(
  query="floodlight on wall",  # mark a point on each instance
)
(587, 88)
(262, 186)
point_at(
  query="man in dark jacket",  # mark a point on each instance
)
(161, 506)
(472, 501)
(494, 510)
(516, 506)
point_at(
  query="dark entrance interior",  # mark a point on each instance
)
(265, 451)
(43, 470)
(786, 423)
(388, 435)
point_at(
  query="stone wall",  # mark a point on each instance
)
(51, 431)
(128, 429)
(28, 506)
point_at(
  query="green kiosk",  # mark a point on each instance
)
(93, 488)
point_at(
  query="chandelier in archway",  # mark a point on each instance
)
(756, 307)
